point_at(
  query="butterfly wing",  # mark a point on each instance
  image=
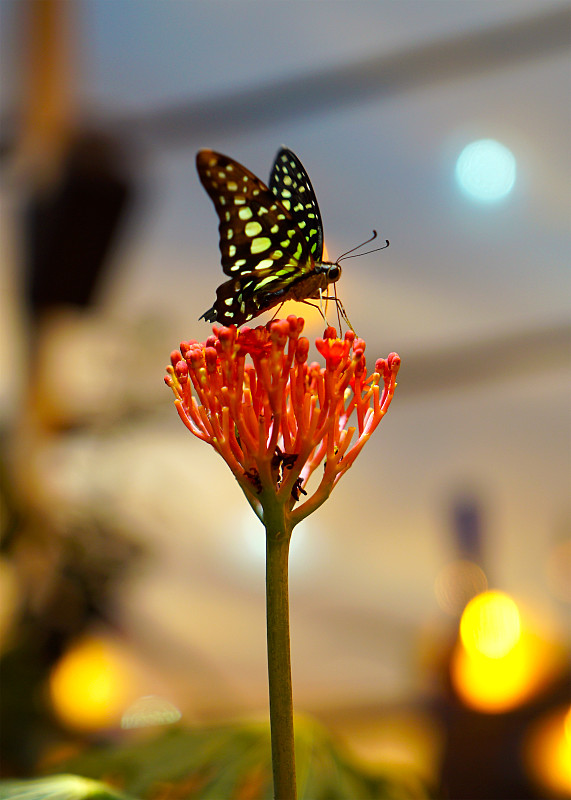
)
(290, 183)
(256, 231)
(242, 298)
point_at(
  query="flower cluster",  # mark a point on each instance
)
(275, 417)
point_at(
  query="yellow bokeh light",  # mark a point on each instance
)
(90, 686)
(547, 752)
(498, 663)
(494, 685)
(490, 625)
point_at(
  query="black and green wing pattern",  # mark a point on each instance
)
(271, 239)
(290, 183)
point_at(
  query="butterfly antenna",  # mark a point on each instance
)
(374, 250)
(352, 250)
(277, 312)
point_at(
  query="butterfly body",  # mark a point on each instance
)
(271, 238)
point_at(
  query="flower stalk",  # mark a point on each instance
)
(275, 418)
(279, 661)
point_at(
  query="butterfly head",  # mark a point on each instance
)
(330, 269)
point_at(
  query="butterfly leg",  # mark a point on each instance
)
(337, 302)
(323, 311)
(322, 305)
(313, 305)
(340, 310)
(277, 312)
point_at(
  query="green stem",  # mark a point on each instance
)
(279, 660)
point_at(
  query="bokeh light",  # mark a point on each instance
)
(250, 546)
(486, 170)
(400, 738)
(494, 685)
(498, 663)
(457, 583)
(91, 685)
(547, 753)
(149, 711)
(490, 625)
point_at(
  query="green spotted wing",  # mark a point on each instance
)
(290, 183)
(271, 239)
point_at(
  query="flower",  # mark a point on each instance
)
(274, 418)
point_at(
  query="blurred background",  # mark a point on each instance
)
(131, 565)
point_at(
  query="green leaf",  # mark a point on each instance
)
(58, 787)
(232, 762)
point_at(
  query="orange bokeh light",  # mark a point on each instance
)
(547, 753)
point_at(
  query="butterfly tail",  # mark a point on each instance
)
(233, 305)
(210, 315)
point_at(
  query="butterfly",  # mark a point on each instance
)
(271, 238)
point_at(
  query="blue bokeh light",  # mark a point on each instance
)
(486, 170)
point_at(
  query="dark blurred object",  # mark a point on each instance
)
(68, 579)
(71, 223)
(483, 752)
(483, 757)
(467, 527)
(75, 178)
(75, 183)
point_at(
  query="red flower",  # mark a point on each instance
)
(273, 417)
